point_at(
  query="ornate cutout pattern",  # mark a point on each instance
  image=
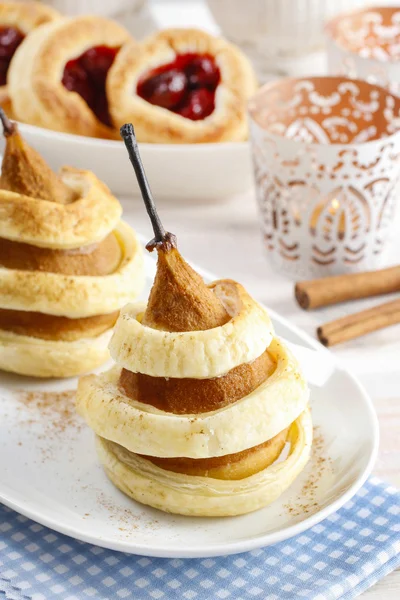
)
(326, 155)
(366, 44)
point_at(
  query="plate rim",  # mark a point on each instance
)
(238, 546)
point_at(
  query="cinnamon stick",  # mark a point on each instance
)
(355, 325)
(340, 288)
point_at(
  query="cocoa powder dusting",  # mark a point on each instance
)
(320, 463)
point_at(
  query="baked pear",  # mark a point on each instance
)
(179, 299)
(25, 172)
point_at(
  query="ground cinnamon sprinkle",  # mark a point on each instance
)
(54, 412)
(58, 408)
(124, 519)
(320, 463)
(55, 416)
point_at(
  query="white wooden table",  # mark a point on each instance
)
(225, 239)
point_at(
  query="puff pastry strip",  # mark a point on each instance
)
(144, 429)
(76, 296)
(51, 358)
(203, 496)
(87, 220)
(194, 354)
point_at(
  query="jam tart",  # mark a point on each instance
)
(59, 72)
(17, 19)
(182, 86)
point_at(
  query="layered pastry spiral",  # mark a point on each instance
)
(67, 265)
(203, 401)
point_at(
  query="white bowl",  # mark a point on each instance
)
(196, 172)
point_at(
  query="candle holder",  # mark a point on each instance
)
(326, 156)
(365, 44)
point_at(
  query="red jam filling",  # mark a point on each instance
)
(10, 39)
(185, 86)
(87, 75)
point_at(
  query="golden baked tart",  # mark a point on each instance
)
(182, 86)
(67, 265)
(17, 19)
(58, 75)
(203, 398)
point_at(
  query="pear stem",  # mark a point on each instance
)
(161, 237)
(9, 128)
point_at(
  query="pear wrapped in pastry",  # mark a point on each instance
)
(203, 399)
(67, 265)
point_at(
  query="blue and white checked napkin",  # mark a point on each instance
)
(339, 558)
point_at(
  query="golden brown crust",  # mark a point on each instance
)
(36, 90)
(76, 296)
(25, 16)
(194, 396)
(228, 121)
(90, 218)
(50, 327)
(95, 259)
(229, 467)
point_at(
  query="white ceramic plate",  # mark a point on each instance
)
(49, 472)
(195, 172)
